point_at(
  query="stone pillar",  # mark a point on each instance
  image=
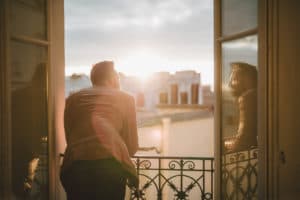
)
(166, 125)
(165, 148)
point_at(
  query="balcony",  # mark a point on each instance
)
(179, 178)
(191, 178)
(239, 175)
(183, 178)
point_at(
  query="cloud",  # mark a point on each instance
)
(249, 42)
(129, 13)
(178, 31)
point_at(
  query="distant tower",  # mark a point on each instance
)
(195, 93)
(174, 93)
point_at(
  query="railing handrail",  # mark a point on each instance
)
(167, 157)
(174, 157)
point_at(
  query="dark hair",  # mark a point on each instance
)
(101, 72)
(247, 71)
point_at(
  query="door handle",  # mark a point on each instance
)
(282, 157)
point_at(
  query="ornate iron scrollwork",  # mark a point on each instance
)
(239, 175)
(177, 177)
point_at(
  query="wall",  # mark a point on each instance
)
(288, 61)
(185, 138)
(279, 99)
(192, 138)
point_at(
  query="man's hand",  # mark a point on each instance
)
(133, 182)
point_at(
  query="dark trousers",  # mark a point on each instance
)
(94, 179)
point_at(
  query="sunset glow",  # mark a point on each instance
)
(141, 63)
(149, 37)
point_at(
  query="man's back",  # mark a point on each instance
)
(94, 118)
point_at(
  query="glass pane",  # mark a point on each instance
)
(239, 118)
(29, 18)
(238, 16)
(29, 121)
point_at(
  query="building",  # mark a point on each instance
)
(76, 82)
(164, 88)
(208, 96)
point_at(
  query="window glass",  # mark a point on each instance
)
(29, 121)
(238, 16)
(29, 18)
(239, 118)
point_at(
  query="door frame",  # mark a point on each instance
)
(55, 94)
(5, 153)
(268, 100)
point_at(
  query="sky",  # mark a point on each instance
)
(140, 36)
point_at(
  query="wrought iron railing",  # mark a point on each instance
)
(180, 178)
(239, 175)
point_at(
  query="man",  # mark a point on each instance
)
(101, 135)
(243, 82)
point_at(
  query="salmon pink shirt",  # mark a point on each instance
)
(100, 123)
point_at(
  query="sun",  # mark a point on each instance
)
(141, 63)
